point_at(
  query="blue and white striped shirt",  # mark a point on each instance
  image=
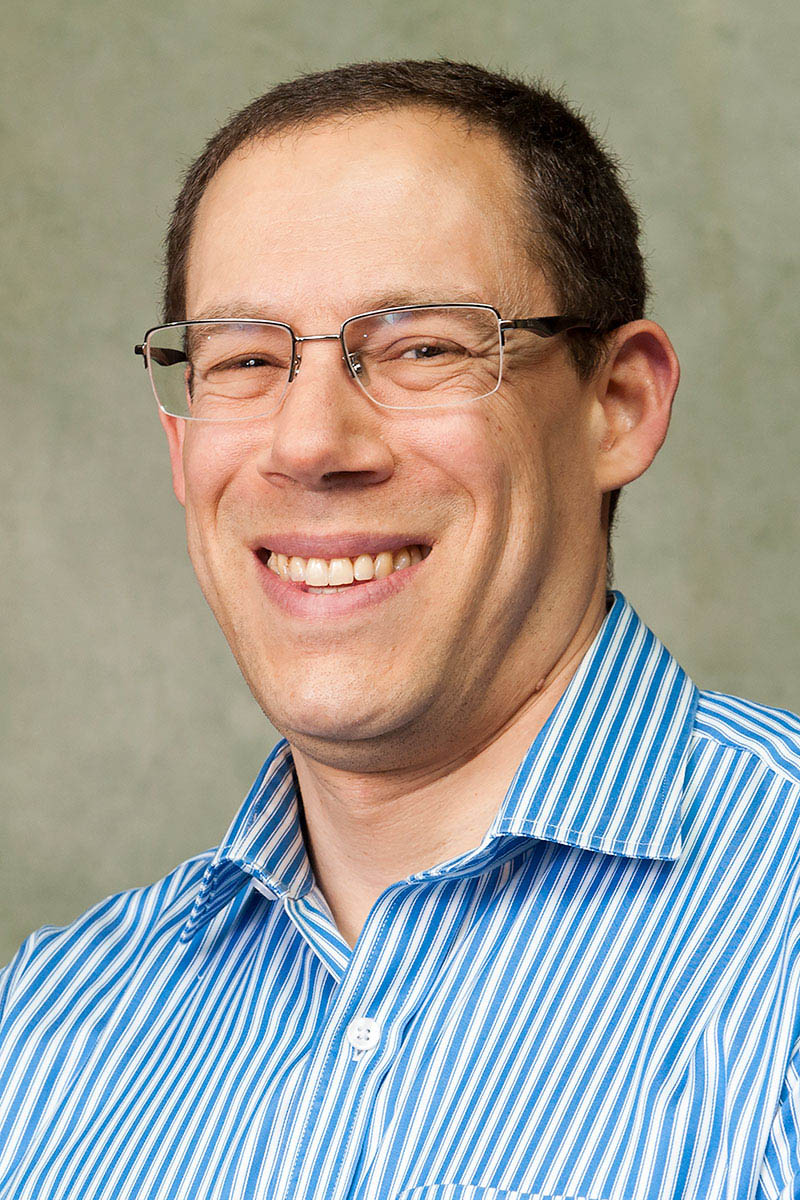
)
(598, 1002)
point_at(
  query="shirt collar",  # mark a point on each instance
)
(264, 843)
(605, 773)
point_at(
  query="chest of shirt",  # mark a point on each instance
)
(566, 1025)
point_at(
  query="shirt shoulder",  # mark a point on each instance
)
(772, 735)
(114, 930)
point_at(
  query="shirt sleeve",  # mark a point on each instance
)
(14, 970)
(780, 1171)
(116, 925)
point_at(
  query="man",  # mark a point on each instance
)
(511, 912)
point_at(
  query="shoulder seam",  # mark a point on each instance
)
(766, 760)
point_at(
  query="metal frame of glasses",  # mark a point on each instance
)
(427, 366)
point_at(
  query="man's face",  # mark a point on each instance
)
(313, 228)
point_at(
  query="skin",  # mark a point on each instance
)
(407, 718)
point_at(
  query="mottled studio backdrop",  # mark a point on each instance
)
(129, 738)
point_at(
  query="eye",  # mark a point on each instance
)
(244, 363)
(422, 350)
(429, 350)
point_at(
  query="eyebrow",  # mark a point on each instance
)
(242, 310)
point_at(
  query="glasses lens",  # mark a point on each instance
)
(220, 370)
(424, 357)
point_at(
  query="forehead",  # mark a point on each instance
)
(333, 217)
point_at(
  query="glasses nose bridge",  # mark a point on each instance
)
(297, 357)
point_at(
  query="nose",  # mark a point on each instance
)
(327, 434)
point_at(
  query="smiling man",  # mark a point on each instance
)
(511, 910)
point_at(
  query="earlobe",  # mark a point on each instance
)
(635, 389)
(175, 429)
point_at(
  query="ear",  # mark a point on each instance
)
(175, 429)
(633, 393)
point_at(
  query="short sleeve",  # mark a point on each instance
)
(780, 1171)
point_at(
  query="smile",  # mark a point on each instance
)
(325, 575)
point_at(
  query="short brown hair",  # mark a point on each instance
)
(587, 230)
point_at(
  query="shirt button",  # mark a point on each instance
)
(363, 1034)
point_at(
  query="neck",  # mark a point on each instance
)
(366, 831)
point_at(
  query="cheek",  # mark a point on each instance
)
(539, 455)
(517, 452)
(464, 454)
(546, 436)
(215, 466)
(214, 459)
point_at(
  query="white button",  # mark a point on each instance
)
(363, 1034)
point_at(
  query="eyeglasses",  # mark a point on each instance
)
(416, 356)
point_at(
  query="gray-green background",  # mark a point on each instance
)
(129, 737)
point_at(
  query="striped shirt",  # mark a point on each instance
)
(598, 1002)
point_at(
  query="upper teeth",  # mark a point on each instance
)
(339, 572)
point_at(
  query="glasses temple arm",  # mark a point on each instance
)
(161, 355)
(547, 326)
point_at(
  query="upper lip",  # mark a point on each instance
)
(336, 545)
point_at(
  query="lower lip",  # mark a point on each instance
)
(315, 606)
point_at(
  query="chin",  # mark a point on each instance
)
(344, 730)
(331, 723)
